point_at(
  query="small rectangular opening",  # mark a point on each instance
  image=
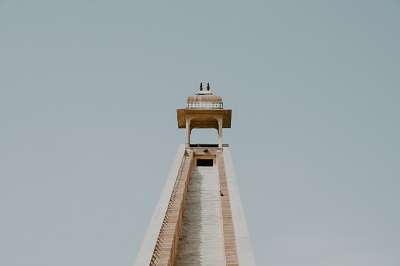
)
(205, 162)
(203, 145)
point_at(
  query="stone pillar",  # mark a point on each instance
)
(188, 132)
(220, 132)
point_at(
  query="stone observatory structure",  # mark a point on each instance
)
(199, 219)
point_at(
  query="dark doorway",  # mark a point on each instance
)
(205, 162)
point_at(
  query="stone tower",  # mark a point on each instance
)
(199, 219)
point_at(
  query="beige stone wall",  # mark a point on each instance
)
(224, 236)
(229, 231)
(168, 239)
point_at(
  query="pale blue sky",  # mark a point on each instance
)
(88, 92)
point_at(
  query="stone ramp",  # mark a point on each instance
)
(202, 238)
(199, 219)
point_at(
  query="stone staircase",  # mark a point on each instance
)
(202, 238)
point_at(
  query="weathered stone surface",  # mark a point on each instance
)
(202, 240)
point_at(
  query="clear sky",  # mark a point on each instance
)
(88, 92)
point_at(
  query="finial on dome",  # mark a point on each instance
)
(205, 88)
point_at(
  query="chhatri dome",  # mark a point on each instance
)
(204, 98)
(204, 110)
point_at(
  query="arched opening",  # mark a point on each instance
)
(204, 136)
